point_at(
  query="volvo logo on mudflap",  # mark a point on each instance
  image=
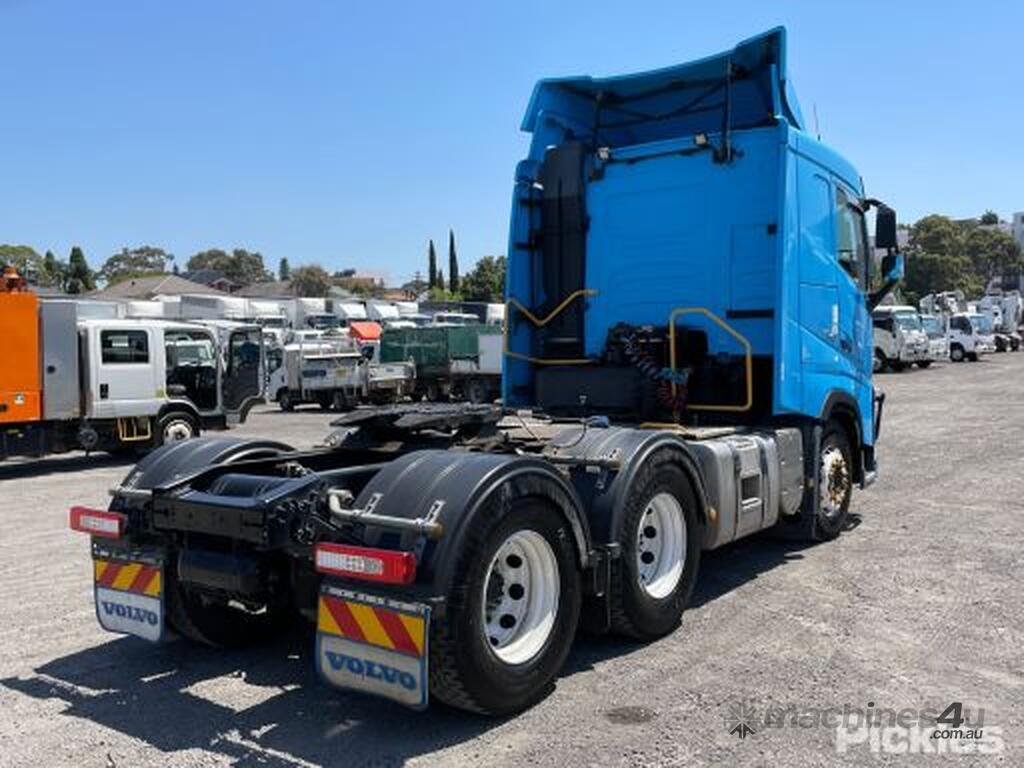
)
(371, 670)
(361, 667)
(130, 612)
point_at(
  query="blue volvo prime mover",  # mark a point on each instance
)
(688, 359)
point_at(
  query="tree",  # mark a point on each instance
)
(992, 253)
(284, 270)
(134, 262)
(241, 266)
(431, 266)
(23, 258)
(989, 217)
(486, 281)
(453, 264)
(80, 277)
(312, 280)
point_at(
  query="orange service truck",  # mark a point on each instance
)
(110, 384)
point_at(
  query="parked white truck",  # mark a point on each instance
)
(899, 339)
(938, 344)
(970, 336)
(1004, 310)
(116, 383)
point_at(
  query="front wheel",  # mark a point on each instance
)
(176, 426)
(512, 612)
(878, 362)
(835, 483)
(956, 353)
(285, 401)
(660, 536)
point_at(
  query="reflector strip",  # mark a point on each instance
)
(128, 577)
(374, 625)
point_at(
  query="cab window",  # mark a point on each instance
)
(118, 347)
(851, 242)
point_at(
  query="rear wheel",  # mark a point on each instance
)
(512, 612)
(220, 623)
(476, 392)
(660, 536)
(972, 357)
(923, 363)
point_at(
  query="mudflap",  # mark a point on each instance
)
(373, 644)
(129, 592)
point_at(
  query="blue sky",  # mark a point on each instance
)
(349, 133)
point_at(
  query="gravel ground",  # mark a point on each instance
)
(916, 607)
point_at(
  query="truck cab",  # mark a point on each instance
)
(160, 381)
(970, 335)
(938, 344)
(682, 248)
(899, 338)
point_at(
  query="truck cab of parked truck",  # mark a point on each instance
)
(899, 338)
(938, 344)
(970, 335)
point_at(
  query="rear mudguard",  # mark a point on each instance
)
(181, 459)
(455, 489)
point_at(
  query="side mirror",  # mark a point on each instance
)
(885, 227)
(892, 267)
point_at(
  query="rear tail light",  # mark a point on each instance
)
(98, 522)
(366, 563)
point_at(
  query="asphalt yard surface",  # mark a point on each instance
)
(916, 607)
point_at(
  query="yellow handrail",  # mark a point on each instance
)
(540, 322)
(748, 355)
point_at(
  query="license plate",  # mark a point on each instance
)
(129, 595)
(374, 645)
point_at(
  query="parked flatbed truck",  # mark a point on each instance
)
(687, 362)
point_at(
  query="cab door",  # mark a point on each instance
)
(127, 378)
(242, 383)
(856, 330)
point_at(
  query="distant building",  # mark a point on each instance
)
(1017, 228)
(154, 285)
(213, 278)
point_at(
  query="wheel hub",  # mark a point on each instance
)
(176, 431)
(661, 546)
(835, 481)
(520, 598)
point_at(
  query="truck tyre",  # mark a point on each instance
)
(219, 623)
(476, 392)
(897, 365)
(835, 483)
(972, 357)
(340, 402)
(284, 400)
(325, 401)
(923, 363)
(512, 611)
(175, 426)
(956, 353)
(660, 536)
(878, 363)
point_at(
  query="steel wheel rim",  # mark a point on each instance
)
(834, 483)
(661, 546)
(520, 598)
(177, 430)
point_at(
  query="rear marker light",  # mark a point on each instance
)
(97, 522)
(366, 563)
